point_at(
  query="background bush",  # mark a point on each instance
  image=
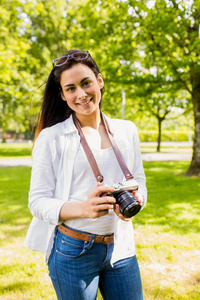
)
(167, 135)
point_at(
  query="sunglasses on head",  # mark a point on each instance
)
(78, 56)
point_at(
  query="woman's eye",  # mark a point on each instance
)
(86, 83)
(70, 89)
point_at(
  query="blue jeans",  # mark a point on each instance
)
(77, 268)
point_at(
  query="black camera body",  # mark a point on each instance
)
(128, 204)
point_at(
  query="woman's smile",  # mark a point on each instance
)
(85, 103)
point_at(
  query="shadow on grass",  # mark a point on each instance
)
(20, 286)
(173, 199)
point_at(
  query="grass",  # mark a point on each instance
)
(166, 236)
(167, 233)
(23, 274)
(15, 150)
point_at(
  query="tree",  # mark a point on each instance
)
(15, 79)
(160, 97)
(168, 34)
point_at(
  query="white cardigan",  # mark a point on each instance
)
(53, 159)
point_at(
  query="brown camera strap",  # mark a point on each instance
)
(90, 156)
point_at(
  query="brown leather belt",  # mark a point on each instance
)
(105, 239)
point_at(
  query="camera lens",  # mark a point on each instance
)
(129, 205)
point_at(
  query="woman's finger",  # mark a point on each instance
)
(118, 213)
(138, 196)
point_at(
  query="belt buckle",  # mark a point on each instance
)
(103, 239)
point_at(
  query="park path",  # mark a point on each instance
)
(150, 156)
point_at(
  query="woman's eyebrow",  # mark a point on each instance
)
(72, 84)
(84, 79)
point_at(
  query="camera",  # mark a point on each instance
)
(128, 204)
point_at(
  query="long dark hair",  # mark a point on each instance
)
(54, 109)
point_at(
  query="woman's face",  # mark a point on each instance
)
(81, 89)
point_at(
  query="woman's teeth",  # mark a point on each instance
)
(85, 103)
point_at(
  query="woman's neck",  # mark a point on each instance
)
(93, 120)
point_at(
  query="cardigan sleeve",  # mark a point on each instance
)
(138, 170)
(42, 203)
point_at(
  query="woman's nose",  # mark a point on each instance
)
(81, 93)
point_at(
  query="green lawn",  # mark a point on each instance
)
(166, 234)
(15, 149)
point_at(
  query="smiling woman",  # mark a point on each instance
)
(54, 109)
(82, 194)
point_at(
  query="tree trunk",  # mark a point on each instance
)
(194, 169)
(159, 134)
(4, 137)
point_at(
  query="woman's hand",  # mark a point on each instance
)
(140, 199)
(138, 196)
(118, 213)
(98, 203)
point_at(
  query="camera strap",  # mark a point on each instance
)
(90, 156)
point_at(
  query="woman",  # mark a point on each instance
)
(94, 247)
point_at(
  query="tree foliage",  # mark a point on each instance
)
(171, 44)
(149, 48)
(16, 80)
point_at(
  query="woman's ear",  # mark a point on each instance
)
(100, 81)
